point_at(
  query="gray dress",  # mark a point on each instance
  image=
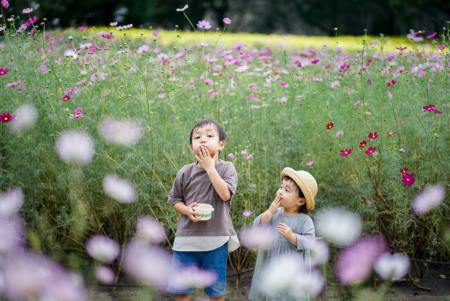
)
(303, 226)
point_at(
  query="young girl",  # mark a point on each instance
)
(288, 215)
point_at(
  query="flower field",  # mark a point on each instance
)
(95, 125)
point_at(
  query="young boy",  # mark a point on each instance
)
(204, 244)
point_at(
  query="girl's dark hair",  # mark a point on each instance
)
(201, 123)
(301, 209)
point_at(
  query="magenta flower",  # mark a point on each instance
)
(408, 179)
(77, 113)
(247, 213)
(315, 61)
(441, 46)
(6, 117)
(344, 67)
(432, 35)
(284, 84)
(370, 150)
(431, 108)
(226, 21)
(205, 25)
(5, 4)
(82, 28)
(373, 135)
(3, 71)
(355, 262)
(345, 152)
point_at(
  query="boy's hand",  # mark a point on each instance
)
(191, 213)
(287, 232)
(204, 159)
(274, 205)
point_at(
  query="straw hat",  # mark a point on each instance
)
(305, 181)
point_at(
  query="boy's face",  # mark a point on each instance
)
(206, 136)
(289, 194)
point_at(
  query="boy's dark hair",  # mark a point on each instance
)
(301, 209)
(201, 123)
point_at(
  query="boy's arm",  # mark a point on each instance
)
(187, 210)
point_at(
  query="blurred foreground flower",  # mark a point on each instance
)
(318, 248)
(11, 234)
(102, 248)
(192, 277)
(104, 274)
(429, 198)
(31, 277)
(287, 276)
(124, 132)
(24, 117)
(148, 264)
(355, 262)
(392, 266)
(149, 229)
(338, 225)
(75, 147)
(258, 237)
(10, 202)
(119, 189)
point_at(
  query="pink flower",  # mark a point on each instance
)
(82, 27)
(344, 67)
(155, 33)
(284, 84)
(370, 150)
(205, 25)
(226, 21)
(432, 35)
(315, 61)
(3, 71)
(66, 97)
(247, 213)
(441, 46)
(309, 163)
(345, 152)
(6, 117)
(105, 35)
(258, 236)
(354, 263)
(391, 83)
(408, 179)
(43, 69)
(249, 157)
(77, 113)
(208, 82)
(373, 135)
(5, 4)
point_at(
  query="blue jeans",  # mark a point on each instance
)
(214, 260)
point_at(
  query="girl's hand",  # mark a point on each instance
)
(204, 158)
(191, 213)
(274, 205)
(284, 230)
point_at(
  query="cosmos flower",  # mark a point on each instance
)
(119, 189)
(258, 236)
(338, 225)
(25, 117)
(362, 144)
(3, 71)
(345, 152)
(104, 274)
(6, 117)
(205, 25)
(183, 8)
(408, 179)
(373, 135)
(329, 125)
(247, 213)
(370, 150)
(226, 21)
(192, 276)
(102, 248)
(10, 202)
(5, 4)
(392, 266)
(149, 229)
(75, 146)
(354, 263)
(428, 199)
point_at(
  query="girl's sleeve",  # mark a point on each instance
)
(257, 220)
(307, 232)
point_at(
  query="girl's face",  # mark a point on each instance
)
(290, 196)
(206, 136)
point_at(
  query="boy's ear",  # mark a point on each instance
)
(221, 144)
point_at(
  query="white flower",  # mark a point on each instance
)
(125, 132)
(183, 8)
(70, 53)
(392, 266)
(192, 277)
(102, 248)
(10, 202)
(75, 147)
(318, 248)
(431, 197)
(25, 117)
(307, 284)
(338, 225)
(119, 189)
(149, 229)
(258, 237)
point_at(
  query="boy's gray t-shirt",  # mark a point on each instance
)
(192, 184)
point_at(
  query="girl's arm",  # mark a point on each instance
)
(296, 239)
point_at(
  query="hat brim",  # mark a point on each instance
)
(291, 173)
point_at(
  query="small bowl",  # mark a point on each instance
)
(204, 211)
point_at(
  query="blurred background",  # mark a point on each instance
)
(306, 17)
